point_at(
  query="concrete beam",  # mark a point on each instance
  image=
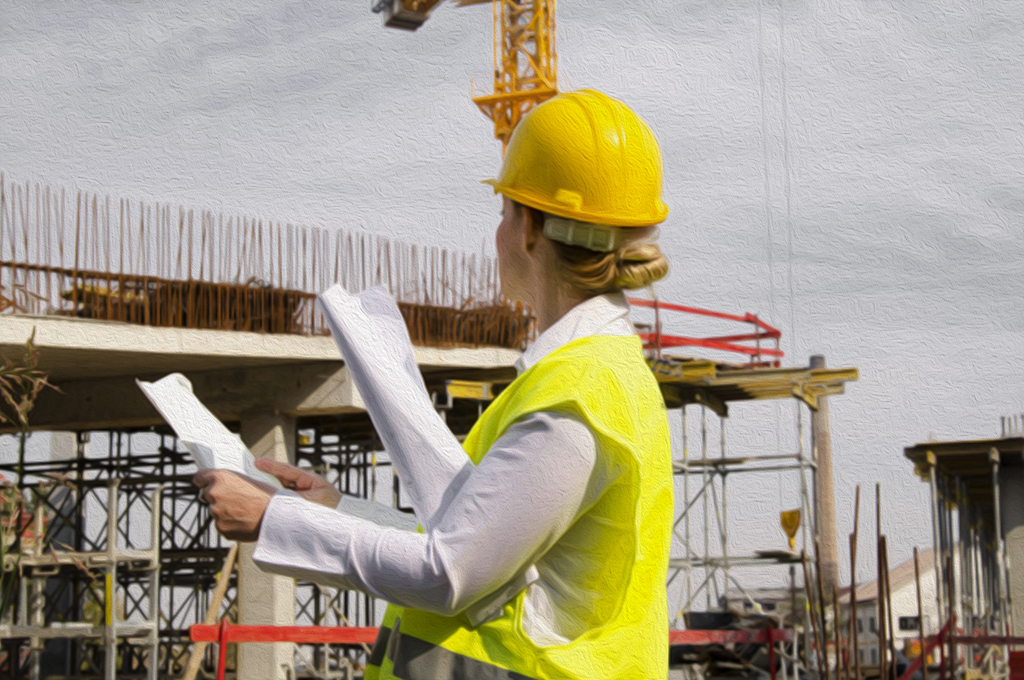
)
(95, 364)
(296, 390)
(76, 349)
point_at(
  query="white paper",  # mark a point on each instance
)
(374, 342)
(213, 446)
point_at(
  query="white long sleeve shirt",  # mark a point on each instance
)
(486, 527)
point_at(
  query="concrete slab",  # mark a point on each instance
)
(95, 363)
(74, 349)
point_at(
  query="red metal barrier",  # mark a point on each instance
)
(755, 353)
(944, 639)
(726, 637)
(227, 632)
(1016, 665)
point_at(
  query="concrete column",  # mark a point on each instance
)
(1011, 510)
(63, 446)
(264, 599)
(824, 497)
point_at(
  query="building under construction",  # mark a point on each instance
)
(977, 511)
(112, 557)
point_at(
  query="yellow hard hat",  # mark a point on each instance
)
(585, 156)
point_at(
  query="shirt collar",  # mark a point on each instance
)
(601, 315)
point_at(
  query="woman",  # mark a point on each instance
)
(547, 556)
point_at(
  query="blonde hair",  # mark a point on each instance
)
(635, 262)
(631, 266)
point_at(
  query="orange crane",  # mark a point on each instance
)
(525, 60)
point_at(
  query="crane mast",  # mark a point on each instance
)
(525, 58)
(525, 61)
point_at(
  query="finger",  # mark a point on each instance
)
(203, 478)
(290, 476)
(265, 488)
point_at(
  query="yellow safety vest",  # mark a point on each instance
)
(604, 381)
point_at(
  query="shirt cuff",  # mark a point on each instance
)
(289, 532)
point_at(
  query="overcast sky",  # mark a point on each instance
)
(851, 170)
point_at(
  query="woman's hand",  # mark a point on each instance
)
(312, 487)
(237, 503)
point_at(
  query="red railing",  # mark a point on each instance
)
(760, 346)
(224, 633)
(947, 643)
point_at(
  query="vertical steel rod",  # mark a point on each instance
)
(920, 616)
(854, 617)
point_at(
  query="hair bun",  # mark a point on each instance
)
(640, 265)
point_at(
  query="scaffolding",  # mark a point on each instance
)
(99, 596)
(703, 567)
(126, 615)
(967, 480)
(706, 564)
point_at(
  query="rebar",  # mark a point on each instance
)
(160, 265)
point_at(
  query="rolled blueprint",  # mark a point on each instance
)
(431, 463)
(374, 342)
(212, 446)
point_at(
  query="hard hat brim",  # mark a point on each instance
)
(583, 216)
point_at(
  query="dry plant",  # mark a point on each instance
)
(20, 385)
(11, 525)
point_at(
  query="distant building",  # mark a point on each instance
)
(905, 622)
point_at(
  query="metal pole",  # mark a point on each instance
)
(222, 651)
(708, 573)
(812, 618)
(824, 628)
(1002, 587)
(854, 618)
(686, 503)
(936, 542)
(891, 638)
(880, 584)
(792, 606)
(771, 652)
(952, 621)
(110, 600)
(960, 581)
(842, 657)
(920, 617)
(38, 598)
(806, 504)
(154, 585)
(725, 514)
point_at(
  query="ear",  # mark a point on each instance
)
(533, 227)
